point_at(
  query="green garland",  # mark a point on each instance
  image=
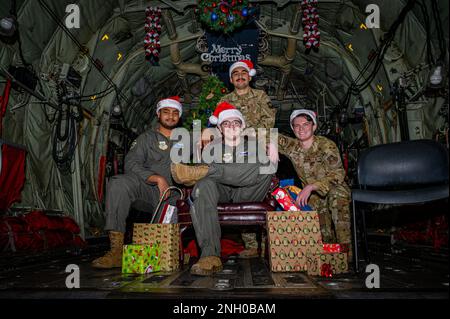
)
(223, 16)
(213, 90)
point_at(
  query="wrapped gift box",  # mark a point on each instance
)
(293, 191)
(169, 215)
(337, 261)
(289, 266)
(310, 244)
(140, 259)
(292, 236)
(284, 199)
(167, 236)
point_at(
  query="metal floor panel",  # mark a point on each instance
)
(403, 275)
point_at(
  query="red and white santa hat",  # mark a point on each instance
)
(246, 64)
(223, 111)
(296, 113)
(173, 102)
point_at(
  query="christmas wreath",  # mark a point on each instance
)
(224, 16)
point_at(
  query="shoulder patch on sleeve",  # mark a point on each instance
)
(282, 140)
(133, 144)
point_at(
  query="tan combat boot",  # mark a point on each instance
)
(188, 174)
(113, 258)
(207, 266)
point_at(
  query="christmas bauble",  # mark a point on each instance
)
(224, 9)
(214, 16)
(244, 12)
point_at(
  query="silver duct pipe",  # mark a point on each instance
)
(296, 21)
(284, 62)
(182, 68)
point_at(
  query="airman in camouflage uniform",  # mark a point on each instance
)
(255, 106)
(319, 166)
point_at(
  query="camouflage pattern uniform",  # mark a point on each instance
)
(255, 106)
(321, 165)
(258, 112)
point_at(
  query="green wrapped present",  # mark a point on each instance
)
(141, 259)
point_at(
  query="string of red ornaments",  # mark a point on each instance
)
(152, 44)
(310, 21)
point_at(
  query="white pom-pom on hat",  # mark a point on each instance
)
(213, 120)
(246, 64)
(223, 111)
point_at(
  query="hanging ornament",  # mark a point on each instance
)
(214, 4)
(224, 8)
(210, 95)
(230, 18)
(310, 21)
(214, 17)
(152, 44)
(223, 90)
(244, 12)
